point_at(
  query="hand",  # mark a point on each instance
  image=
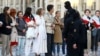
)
(53, 26)
(9, 27)
(0, 25)
(16, 24)
(24, 30)
(64, 39)
(75, 46)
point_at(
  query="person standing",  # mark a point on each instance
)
(30, 35)
(89, 25)
(58, 32)
(49, 19)
(74, 32)
(6, 30)
(21, 28)
(95, 31)
(14, 34)
(40, 43)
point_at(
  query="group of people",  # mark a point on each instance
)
(41, 32)
(29, 33)
(82, 34)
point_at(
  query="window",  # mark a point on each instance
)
(83, 6)
(93, 6)
(59, 7)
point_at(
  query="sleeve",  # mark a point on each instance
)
(18, 27)
(55, 22)
(80, 33)
(65, 30)
(37, 20)
(2, 17)
(46, 21)
(1, 20)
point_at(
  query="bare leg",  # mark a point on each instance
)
(11, 50)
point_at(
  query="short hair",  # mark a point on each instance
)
(87, 10)
(5, 10)
(38, 12)
(97, 11)
(57, 12)
(13, 12)
(49, 7)
(19, 12)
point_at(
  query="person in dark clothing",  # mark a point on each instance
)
(5, 30)
(74, 32)
(21, 28)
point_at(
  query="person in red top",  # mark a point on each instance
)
(30, 22)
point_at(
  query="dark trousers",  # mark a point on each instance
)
(95, 40)
(63, 46)
(50, 39)
(75, 52)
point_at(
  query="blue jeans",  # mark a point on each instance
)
(56, 48)
(21, 45)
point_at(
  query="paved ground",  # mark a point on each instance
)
(90, 53)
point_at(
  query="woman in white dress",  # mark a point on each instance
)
(40, 43)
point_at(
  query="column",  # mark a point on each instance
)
(46, 3)
(23, 5)
(97, 4)
(14, 4)
(62, 9)
(55, 6)
(41, 3)
(79, 6)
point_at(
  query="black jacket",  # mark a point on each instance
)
(5, 30)
(74, 29)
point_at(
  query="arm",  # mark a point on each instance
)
(18, 26)
(46, 21)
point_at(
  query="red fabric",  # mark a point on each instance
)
(85, 21)
(13, 43)
(27, 19)
(95, 24)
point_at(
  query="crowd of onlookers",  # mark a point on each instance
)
(45, 34)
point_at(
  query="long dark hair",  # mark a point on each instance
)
(28, 11)
(7, 17)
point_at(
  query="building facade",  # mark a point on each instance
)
(80, 5)
(17, 4)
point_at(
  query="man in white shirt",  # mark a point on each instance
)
(49, 20)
